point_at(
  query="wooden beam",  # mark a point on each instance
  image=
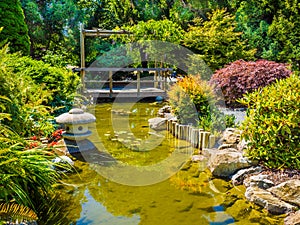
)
(96, 69)
(103, 33)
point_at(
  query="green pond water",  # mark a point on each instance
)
(139, 176)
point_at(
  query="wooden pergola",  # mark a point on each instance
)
(162, 72)
(92, 33)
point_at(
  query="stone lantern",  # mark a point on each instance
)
(76, 123)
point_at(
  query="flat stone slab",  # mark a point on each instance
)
(265, 199)
(288, 191)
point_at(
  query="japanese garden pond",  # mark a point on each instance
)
(187, 195)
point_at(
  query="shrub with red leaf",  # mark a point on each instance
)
(240, 77)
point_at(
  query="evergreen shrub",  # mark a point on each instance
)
(272, 124)
(24, 100)
(61, 82)
(241, 77)
(194, 102)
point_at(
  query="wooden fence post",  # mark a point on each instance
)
(205, 140)
(212, 141)
(173, 127)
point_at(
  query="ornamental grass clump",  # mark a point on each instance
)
(241, 77)
(272, 124)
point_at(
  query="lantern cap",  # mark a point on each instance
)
(75, 116)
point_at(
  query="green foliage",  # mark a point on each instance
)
(15, 30)
(33, 90)
(53, 210)
(209, 4)
(62, 83)
(272, 124)
(127, 12)
(26, 180)
(163, 30)
(61, 59)
(217, 40)
(181, 14)
(123, 11)
(284, 30)
(53, 26)
(194, 101)
(149, 41)
(240, 77)
(253, 19)
(24, 101)
(272, 27)
(26, 175)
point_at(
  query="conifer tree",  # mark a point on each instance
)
(15, 30)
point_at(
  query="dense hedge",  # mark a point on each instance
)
(240, 77)
(31, 91)
(272, 124)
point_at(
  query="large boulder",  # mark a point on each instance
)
(165, 109)
(288, 191)
(239, 177)
(265, 199)
(158, 123)
(260, 181)
(293, 219)
(226, 162)
(231, 136)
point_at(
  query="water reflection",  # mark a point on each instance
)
(191, 196)
(94, 213)
(106, 202)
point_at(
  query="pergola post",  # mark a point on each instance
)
(138, 84)
(82, 56)
(92, 33)
(110, 74)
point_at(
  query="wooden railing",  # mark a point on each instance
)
(160, 77)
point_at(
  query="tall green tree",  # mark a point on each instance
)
(53, 28)
(15, 30)
(145, 32)
(272, 27)
(284, 31)
(216, 40)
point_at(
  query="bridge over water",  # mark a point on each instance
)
(99, 83)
